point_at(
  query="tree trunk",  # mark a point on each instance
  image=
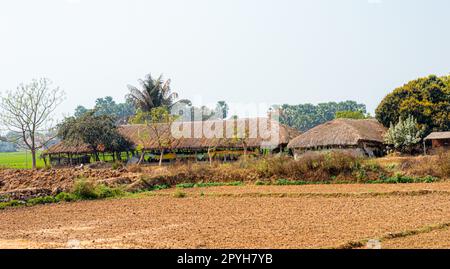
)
(210, 157)
(33, 157)
(161, 157)
(141, 158)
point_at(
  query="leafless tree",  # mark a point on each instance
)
(27, 112)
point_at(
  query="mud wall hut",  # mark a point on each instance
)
(358, 137)
(436, 141)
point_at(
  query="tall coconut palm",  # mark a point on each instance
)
(153, 93)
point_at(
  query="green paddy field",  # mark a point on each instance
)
(18, 160)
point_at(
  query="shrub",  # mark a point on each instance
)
(13, 203)
(208, 184)
(372, 166)
(134, 168)
(336, 163)
(179, 194)
(84, 189)
(290, 182)
(10, 203)
(103, 191)
(159, 187)
(42, 200)
(116, 165)
(185, 185)
(66, 197)
(405, 135)
(443, 163)
(399, 178)
(262, 183)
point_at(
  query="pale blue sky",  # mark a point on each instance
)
(262, 51)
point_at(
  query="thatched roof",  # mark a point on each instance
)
(73, 148)
(438, 135)
(340, 132)
(258, 132)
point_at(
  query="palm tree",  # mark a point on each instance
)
(153, 93)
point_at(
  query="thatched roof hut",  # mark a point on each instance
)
(438, 136)
(72, 148)
(439, 139)
(199, 135)
(341, 133)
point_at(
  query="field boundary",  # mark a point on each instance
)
(303, 195)
(389, 236)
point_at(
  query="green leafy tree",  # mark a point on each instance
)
(241, 136)
(159, 121)
(427, 99)
(203, 113)
(350, 115)
(80, 111)
(405, 135)
(153, 93)
(306, 116)
(97, 131)
(107, 106)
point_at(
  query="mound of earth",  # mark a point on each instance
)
(59, 179)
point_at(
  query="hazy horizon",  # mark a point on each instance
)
(248, 51)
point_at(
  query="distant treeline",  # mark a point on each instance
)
(306, 116)
(7, 147)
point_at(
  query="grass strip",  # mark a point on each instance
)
(299, 195)
(390, 236)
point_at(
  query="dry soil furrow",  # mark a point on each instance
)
(219, 222)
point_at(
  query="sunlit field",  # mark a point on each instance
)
(19, 160)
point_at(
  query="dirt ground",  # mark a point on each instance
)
(241, 217)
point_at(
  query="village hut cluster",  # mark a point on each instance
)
(227, 140)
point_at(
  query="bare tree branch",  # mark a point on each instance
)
(27, 113)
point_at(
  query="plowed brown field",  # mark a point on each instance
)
(316, 216)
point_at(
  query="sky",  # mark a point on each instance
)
(247, 52)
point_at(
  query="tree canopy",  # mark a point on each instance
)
(350, 115)
(426, 99)
(153, 93)
(98, 131)
(153, 119)
(107, 106)
(187, 112)
(306, 116)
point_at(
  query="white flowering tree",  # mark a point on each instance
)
(405, 135)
